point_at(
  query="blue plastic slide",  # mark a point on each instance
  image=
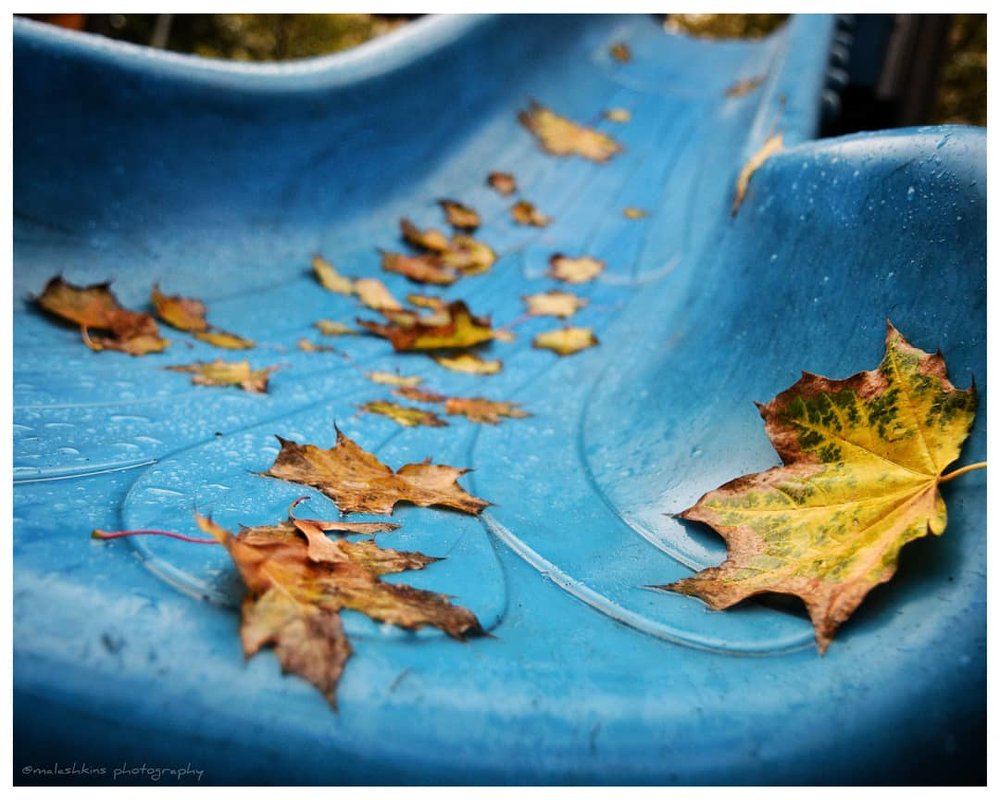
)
(221, 180)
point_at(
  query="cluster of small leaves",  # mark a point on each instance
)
(95, 308)
(297, 579)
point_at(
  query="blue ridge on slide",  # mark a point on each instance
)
(220, 180)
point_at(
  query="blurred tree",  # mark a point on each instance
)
(961, 95)
(725, 26)
(246, 37)
(960, 98)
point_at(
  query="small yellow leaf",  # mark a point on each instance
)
(227, 373)
(503, 182)
(505, 335)
(562, 137)
(329, 278)
(634, 213)
(404, 415)
(394, 379)
(224, 339)
(330, 328)
(468, 255)
(553, 304)
(307, 346)
(771, 146)
(566, 341)
(469, 363)
(574, 270)
(525, 213)
(374, 294)
(460, 216)
(618, 115)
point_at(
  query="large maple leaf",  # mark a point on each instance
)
(863, 459)
(298, 581)
(358, 482)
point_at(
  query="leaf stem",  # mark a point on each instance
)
(99, 534)
(962, 471)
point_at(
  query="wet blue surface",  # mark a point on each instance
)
(219, 181)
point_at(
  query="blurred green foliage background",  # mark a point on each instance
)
(961, 93)
(252, 37)
(960, 96)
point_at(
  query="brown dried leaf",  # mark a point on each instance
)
(431, 239)
(771, 146)
(553, 304)
(620, 52)
(419, 395)
(469, 363)
(374, 294)
(475, 409)
(406, 416)
(574, 270)
(188, 314)
(566, 341)
(525, 213)
(183, 313)
(297, 586)
(407, 318)
(460, 216)
(319, 526)
(502, 182)
(427, 268)
(329, 278)
(227, 373)
(459, 330)
(468, 255)
(562, 137)
(96, 307)
(394, 379)
(479, 409)
(358, 482)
